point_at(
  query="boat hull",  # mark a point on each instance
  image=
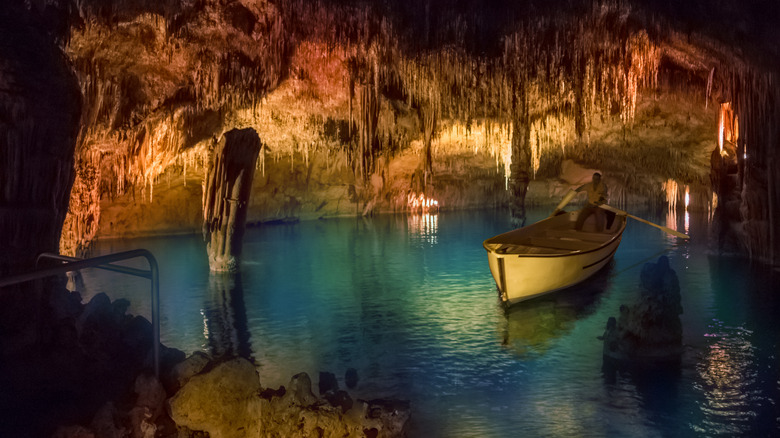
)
(521, 277)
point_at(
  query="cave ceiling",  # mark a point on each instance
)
(162, 80)
(187, 64)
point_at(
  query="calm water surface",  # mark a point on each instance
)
(409, 302)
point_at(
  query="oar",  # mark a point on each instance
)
(668, 230)
(568, 197)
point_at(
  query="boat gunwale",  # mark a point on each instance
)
(571, 253)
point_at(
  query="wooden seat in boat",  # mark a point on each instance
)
(578, 235)
(557, 243)
(508, 248)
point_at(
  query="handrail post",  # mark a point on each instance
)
(155, 312)
(104, 262)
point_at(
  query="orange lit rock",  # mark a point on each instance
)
(223, 402)
(226, 401)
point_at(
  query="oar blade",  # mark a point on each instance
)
(568, 197)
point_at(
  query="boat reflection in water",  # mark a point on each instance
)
(531, 327)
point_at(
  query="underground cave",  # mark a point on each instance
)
(388, 140)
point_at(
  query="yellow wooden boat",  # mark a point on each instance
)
(550, 255)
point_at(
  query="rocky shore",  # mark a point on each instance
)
(89, 375)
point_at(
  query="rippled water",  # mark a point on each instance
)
(409, 302)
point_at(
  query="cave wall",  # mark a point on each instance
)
(40, 106)
(744, 172)
(342, 57)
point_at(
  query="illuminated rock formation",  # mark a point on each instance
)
(226, 195)
(228, 401)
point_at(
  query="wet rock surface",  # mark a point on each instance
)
(649, 329)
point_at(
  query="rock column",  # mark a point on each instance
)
(650, 330)
(226, 197)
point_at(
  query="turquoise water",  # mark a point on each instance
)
(409, 302)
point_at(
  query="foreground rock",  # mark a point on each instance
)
(92, 377)
(649, 329)
(228, 401)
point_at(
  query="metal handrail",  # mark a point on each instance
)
(104, 262)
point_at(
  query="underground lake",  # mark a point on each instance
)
(409, 302)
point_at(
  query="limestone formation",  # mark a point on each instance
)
(227, 401)
(351, 97)
(183, 371)
(650, 328)
(226, 197)
(224, 402)
(150, 394)
(40, 107)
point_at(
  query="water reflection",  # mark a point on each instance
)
(224, 317)
(738, 361)
(531, 327)
(651, 389)
(728, 381)
(424, 227)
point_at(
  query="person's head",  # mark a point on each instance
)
(596, 178)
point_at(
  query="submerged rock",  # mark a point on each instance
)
(328, 382)
(649, 329)
(351, 378)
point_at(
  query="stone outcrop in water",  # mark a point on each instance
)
(649, 329)
(226, 196)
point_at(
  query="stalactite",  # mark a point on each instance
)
(571, 69)
(212, 67)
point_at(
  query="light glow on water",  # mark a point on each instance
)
(409, 302)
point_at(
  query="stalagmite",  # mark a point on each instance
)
(226, 195)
